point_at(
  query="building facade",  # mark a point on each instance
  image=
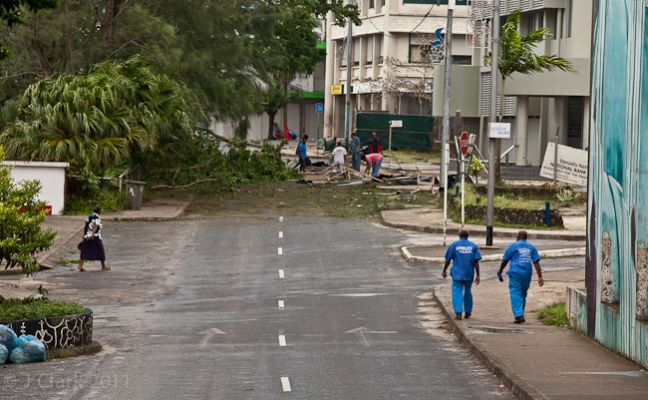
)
(391, 69)
(554, 105)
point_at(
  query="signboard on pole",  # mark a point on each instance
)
(337, 89)
(396, 123)
(570, 164)
(319, 108)
(499, 130)
(464, 142)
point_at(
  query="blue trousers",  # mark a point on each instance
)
(355, 161)
(375, 169)
(462, 299)
(518, 287)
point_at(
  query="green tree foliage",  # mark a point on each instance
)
(13, 12)
(517, 54)
(220, 49)
(110, 117)
(21, 216)
(73, 38)
(518, 51)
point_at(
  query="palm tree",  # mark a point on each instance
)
(517, 54)
(99, 121)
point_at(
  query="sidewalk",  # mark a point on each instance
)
(69, 231)
(430, 220)
(537, 361)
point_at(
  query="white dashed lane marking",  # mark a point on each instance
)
(281, 219)
(285, 384)
(279, 250)
(281, 274)
(280, 304)
(282, 340)
(280, 234)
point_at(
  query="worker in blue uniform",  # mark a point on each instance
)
(522, 255)
(465, 257)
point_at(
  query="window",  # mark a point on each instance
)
(439, 2)
(462, 60)
(567, 15)
(369, 42)
(379, 50)
(341, 52)
(575, 116)
(372, 4)
(356, 51)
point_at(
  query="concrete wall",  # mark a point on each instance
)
(51, 176)
(617, 244)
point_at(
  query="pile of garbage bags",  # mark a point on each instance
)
(19, 350)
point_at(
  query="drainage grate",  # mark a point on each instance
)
(495, 329)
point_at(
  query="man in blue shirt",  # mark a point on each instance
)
(522, 256)
(465, 257)
(301, 154)
(355, 151)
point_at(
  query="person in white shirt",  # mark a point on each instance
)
(339, 155)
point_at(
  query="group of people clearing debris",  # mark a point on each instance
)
(464, 256)
(370, 152)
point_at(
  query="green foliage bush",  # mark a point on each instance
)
(555, 315)
(226, 170)
(30, 308)
(21, 216)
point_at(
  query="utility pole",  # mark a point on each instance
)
(349, 58)
(492, 143)
(445, 136)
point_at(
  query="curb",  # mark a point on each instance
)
(58, 354)
(177, 214)
(496, 233)
(48, 259)
(555, 253)
(514, 383)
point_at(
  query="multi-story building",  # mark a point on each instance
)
(391, 70)
(552, 104)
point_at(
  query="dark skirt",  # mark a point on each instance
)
(92, 250)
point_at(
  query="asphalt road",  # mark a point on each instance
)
(247, 309)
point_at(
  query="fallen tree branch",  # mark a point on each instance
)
(156, 187)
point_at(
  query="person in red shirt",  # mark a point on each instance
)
(374, 161)
(374, 145)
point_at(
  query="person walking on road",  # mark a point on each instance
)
(374, 161)
(465, 257)
(374, 145)
(92, 248)
(356, 148)
(522, 255)
(301, 154)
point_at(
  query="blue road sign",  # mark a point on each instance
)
(319, 108)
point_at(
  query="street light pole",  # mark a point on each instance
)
(445, 137)
(349, 53)
(492, 143)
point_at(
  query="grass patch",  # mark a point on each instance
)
(108, 200)
(290, 198)
(17, 309)
(554, 315)
(414, 156)
(507, 200)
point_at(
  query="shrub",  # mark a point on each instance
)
(21, 216)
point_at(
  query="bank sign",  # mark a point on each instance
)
(571, 162)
